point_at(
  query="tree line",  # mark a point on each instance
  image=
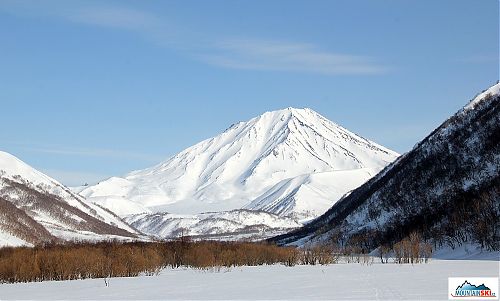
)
(127, 259)
(70, 261)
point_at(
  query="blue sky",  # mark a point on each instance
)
(90, 89)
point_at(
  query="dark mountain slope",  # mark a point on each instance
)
(447, 189)
(17, 223)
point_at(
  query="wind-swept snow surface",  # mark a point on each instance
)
(293, 163)
(332, 282)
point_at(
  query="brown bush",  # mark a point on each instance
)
(412, 250)
(319, 254)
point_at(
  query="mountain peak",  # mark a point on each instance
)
(291, 111)
(11, 166)
(7, 160)
(230, 170)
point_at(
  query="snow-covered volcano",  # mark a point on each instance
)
(241, 165)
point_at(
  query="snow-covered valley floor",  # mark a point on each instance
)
(338, 281)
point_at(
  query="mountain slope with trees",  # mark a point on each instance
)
(446, 191)
(36, 209)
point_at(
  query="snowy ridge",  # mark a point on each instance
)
(53, 209)
(491, 91)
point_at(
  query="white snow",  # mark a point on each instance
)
(78, 189)
(332, 282)
(119, 205)
(308, 196)
(465, 251)
(8, 240)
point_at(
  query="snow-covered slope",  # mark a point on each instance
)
(36, 208)
(235, 224)
(308, 196)
(240, 165)
(447, 189)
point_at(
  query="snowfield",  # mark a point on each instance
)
(334, 282)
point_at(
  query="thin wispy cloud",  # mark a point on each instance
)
(289, 56)
(116, 17)
(242, 54)
(89, 13)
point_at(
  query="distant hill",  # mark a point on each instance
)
(36, 209)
